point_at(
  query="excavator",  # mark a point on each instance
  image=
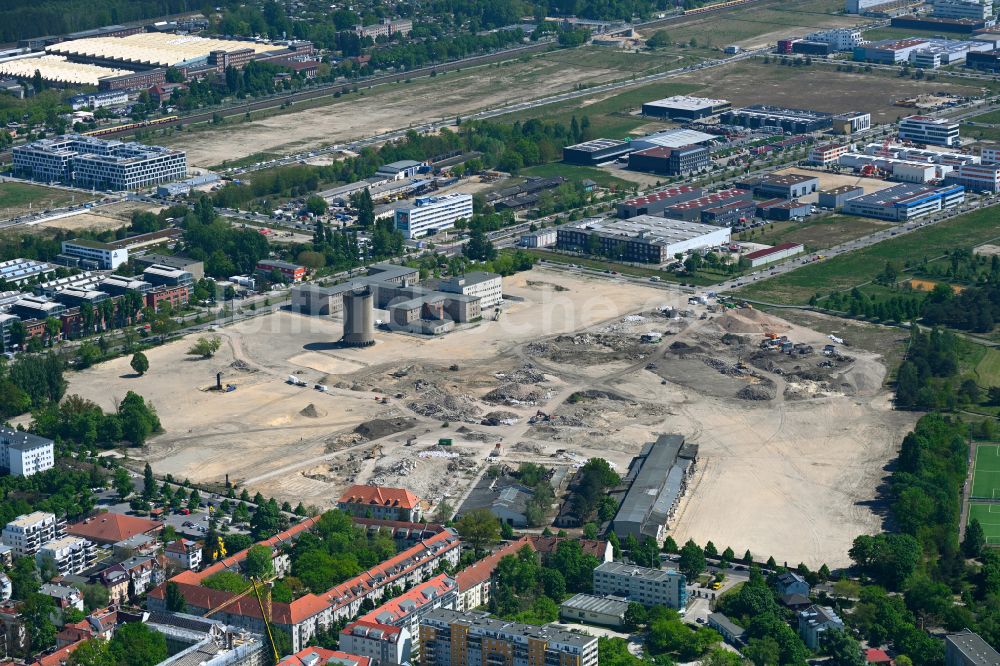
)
(263, 600)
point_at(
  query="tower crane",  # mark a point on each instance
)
(263, 601)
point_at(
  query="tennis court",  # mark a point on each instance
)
(986, 472)
(988, 516)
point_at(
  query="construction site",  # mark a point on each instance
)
(793, 434)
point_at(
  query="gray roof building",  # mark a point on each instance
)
(608, 611)
(968, 648)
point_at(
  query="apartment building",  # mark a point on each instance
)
(486, 286)
(649, 587)
(70, 555)
(26, 534)
(432, 214)
(925, 129)
(381, 502)
(24, 454)
(90, 162)
(380, 643)
(472, 638)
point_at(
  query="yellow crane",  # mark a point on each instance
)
(263, 600)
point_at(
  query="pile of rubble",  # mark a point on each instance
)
(526, 374)
(514, 394)
(431, 400)
(500, 417)
(242, 366)
(765, 389)
(398, 468)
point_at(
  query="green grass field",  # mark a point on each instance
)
(17, 198)
(575, 174)
(988, 369)
(817, 232)
(988, 516)
(990, 117)
(861, 266)
(986, 473)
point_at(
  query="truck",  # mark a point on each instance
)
(445, 441)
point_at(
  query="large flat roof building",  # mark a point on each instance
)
(432, 214)
(95, 253)
(595, 151)
(683, 107)
(797, 121)
(594, 609)
(967, 648)
(642, 239)
(644, 585)
(96, 163)
(926, 129)
(905, 201)
(153, 50)
(24, 454)
(656, 202)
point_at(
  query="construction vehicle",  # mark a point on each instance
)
(264, 601)
(496, 314)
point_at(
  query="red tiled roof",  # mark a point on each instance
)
(479, 572)
(380, 495)
(420, 595)
(299, 658)
(545, 545)
(58, 657)
(112, 527)
(388, 631)
(772, 250)
(876, 656)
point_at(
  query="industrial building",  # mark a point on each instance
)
(453, 638)
(838, 196)
(59, 70)
(19, 271)
(193, 266)
(963, 9)
(906, 171)
(24, 454)
(985, 61)
(888, 51)
(400, 170)
(796, 121)
(432, 214)
(656, 202)
(787, 186)
(167, 276)
(289, 272)
(487, 287)
(783, 210)
(671, 161)
(656, 480)
(729, 214)
(682, 107)
(976, 177)
(672, 138)
(649, 587)
(90, 162)
(540, 238)
(876, 7)
(905, 202)
(595, 151)
(642, 239)
(926, 129)
(691, 210)
(772, 254)
(594, 609)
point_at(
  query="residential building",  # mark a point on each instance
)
(140, 544)
(792, 583)
(731, 632)
(26, 534)
(825, 154)
(184, 553)
(432, 214)
(671, 161)
(381, 502)
(95, 254)
(200, 641)
(68, 554)
(487, 286)
(815, 620)
(475, 581)
(596, 151)
(649, 587)
(317, 656)
(112, 527)
(772, 254)
(641, 239)
(24, 454)
(656, 480)
(90, 162)
(878, 657)
(289, 272)
(967, 648)
(546, 545)
(382, 644)
(976, 177)
(682, 107)
(797, 121)
(385, 28)
(453, 638)
(926, 129)
(142, 572)
(963, 9)
(594, 609)
(905, 202)
(65, 596)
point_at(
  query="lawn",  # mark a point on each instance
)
(246, 161)
(18, 198)
(980, 133)
(986, 473)
(989, 519)
(816, 233)
(861, 266)
(990, 117)
(575, 174)
(876, 34)
(987, 370)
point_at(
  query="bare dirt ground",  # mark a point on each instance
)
(829, 181)
(398, 106)
(788, 466)
(104, 218)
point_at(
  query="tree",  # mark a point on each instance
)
(692, 560)
(37, 611)
(135, 644)
(659, 39)
(975, 539)
(94, 596)
(148, 482)
(139, 363)
(194, 500)
(635, 615)
(93, 652)
(480, 529)
(175, 598)
(479, 247)
(842, 649)
(316, 205)
(366, 208)
(123, 483)
(669, 545)
(205, 347)
(259, 563)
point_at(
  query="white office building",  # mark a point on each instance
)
(963, 9)
(89, 162)
(69, 554)
(976, 177)
(649, 587)
(24, 454)
(432, 214)
(26, 534)
(840, 39)
(925, 129)
(104, 256)
(96, 100)
(487, 286)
